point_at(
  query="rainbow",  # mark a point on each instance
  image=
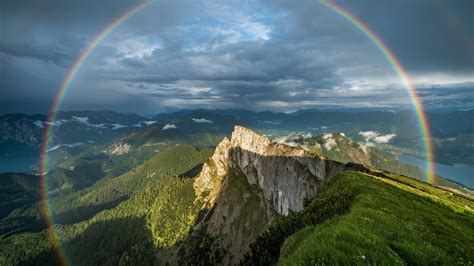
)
(45, 205)
(404, 78)
(54, 237)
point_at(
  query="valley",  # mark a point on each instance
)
(156, 196)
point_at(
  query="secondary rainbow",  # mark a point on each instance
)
(45, 205)
(404, 78)
(54, 237)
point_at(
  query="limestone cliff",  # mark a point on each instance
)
(248, 182)
(208, 182)
(286, 175)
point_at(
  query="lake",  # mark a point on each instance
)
(18, 164)
(461, 173)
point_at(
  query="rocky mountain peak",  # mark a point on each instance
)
(248, 140)
(248, 182)
(286, 175)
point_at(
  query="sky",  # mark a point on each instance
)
(257, 55)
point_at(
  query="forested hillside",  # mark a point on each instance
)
(184, 206)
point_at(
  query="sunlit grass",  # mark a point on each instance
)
(393, 220)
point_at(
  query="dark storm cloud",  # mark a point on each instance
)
(426, 35)
(451, 90)
(57, 57)
(260, 55)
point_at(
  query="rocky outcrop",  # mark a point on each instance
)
(286, 175)
(120, 148)
(248, 182)
(208, 182)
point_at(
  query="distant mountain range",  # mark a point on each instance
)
(74, 131)
(452, 132)
(442, 124)
(68, 128)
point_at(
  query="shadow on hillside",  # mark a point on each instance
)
(44, 258)
(6, 208)
(85, 212)
(124, 241)
(193, 172)
(19, 225)
(218, 228)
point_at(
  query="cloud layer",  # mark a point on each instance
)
(274, 55)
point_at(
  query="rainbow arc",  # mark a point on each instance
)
(65, 85)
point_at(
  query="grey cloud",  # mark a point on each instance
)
(59, 58)
(257, 55)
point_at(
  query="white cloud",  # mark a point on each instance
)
(84, 120)
(202, 120)
(329, 142)
(135, 47)
(65, 145)
(293, 139)
(149, 122)
(365, 145)
(241, 22)
(169, 126)
(38, 124)
(272, 122)
(97, 125)
(57, 123)
(118, 126)
(257, 30)
(373, 137)
(384, 138)
(368, 135)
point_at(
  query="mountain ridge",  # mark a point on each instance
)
(247, 183)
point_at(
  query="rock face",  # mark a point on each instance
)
(208, 183)
(120, 148)
(248, 182)
(286, 175)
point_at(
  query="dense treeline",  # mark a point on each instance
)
(173, 212)
(108, 193)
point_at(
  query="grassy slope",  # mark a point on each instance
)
(391, 221)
